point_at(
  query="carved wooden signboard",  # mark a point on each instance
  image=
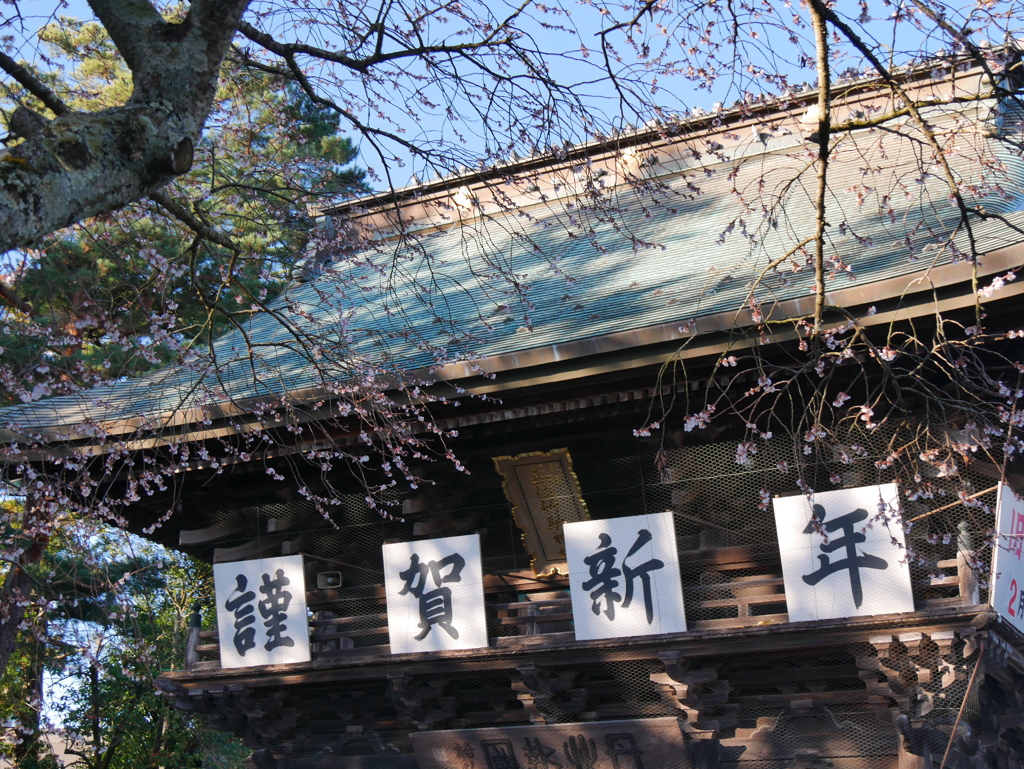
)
(843, 553)
(1007, 561)
(650, 743)
(544, 493)
(261, 612)
(624, 577)
(435, 594)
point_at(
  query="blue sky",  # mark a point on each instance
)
(445, 119)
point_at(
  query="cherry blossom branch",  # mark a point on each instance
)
(363, 64)
(824, 134)
(940, 157)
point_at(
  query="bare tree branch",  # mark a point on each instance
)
(15, 301)
(940, 157)
(190, 220)
(33, 85)
(364, 64)
(824, 134)
(83, 164)
(131, 25)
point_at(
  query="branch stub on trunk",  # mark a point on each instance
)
(181, 157)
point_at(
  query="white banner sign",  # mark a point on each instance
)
(1007, 565)
(840, 557)
(624, 577)
(261, 612)
(435, 594)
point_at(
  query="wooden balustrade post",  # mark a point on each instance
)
(965, 569)
(195, 621)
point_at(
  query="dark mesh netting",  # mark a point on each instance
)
(828, 706)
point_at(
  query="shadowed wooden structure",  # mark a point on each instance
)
(744, 687)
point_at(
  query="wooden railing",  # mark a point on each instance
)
(723, 589)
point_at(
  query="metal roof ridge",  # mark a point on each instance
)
(675, 128)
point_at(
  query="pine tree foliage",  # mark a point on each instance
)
(158, 179)
(109, 612)
(118, 295)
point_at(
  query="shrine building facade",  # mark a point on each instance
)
(580, 588)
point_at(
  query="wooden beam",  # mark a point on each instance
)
(562, 649)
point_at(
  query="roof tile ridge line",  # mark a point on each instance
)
(647, 135)
(659, 173)
(665, 173)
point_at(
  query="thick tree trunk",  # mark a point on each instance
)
(16, 594)
(84, 164)
(94, 700)
(29, 712)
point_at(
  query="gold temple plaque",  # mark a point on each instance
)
(544, 493)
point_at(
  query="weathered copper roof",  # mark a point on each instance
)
(500, 292)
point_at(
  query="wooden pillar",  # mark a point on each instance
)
(192, 637)
(965, 571)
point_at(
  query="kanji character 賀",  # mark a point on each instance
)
(435, 605)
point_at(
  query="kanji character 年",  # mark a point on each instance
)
(854, 561)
